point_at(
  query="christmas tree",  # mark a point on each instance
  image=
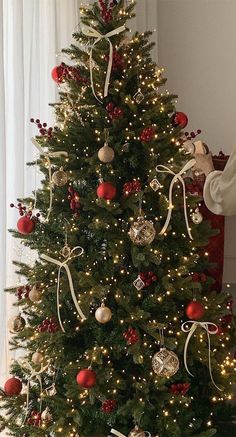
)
(117, 311)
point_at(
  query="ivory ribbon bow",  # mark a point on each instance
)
(119, 434)
(205, 325)
(66, 267)
(93, 33)
(177, 177)
(33, 374)
(47, 156)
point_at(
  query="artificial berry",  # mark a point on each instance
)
(117, 112)
(12, 205)
(108, 406)
(131, 336)
(110, 107)
(37, 121)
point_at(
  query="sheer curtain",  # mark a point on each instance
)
(32, 33)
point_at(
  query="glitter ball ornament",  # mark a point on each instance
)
(137, 432)
(13, 386)
(35, 294)
(26, 225)
(106, 154)
(46, 416)
(142, 232)
(37, 358)
(179, 119)
(106, 191)
(165, 363)
(60, 178)
(16, 324)
(86, 378)
(197, 217)
(147, 134)
(103, 314)
(195, 310)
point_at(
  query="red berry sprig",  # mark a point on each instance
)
(118, 62)
(106, 10)
(148, 278)
(108, 406)
(74, 199)
(35, 418)
(23, 292)
(131, 336)
(114, 112)
(180, 388)
(48, 325)
(199, 277)
(23, 211)
(42, 127)
(132, 187)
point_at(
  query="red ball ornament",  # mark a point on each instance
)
(25, 225)
(106, 190)
(180, 119)
(13, 387)
(147, 134)
(195, 310)
(58, 73)
(86, 378)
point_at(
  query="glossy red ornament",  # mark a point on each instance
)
(25, 225)
(147, 134)
(13, 386)
(86, 378)
(195, 310)
(180, 119)
(107, 191)
(58, 73)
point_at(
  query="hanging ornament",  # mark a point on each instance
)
(16, 324)
(106, 191)
(106, 153)
(165, 363)
(195, 310)
(142, 232)
(179, 119)
(35, 294)
(138, 283)
(103, 314)
(155, 184)
(138, 96)
(137, 432)
(51, 391)
(46, 416)
(148, 134)
(197, 217)
(13, 387)
(60, 178)
(37, 358)
(86, 378)
(58, 73)
(26, 225)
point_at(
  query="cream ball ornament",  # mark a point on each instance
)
(35, 294)
(60, 178)
(165, 363)
(142, 232)
(106, 154)
(16, 324)
(37, 358)
(103, 314)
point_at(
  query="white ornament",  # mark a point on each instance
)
(155, 184)
(197, 217)
(37, 358)
(106, 154)
(138, 283)
(103, 314)
(142, 232)
(165, 363)
(138, 96)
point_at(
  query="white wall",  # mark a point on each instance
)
(197, 45)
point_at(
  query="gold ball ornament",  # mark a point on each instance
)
(103, 314)
(165, 363)
(60, 178)
(137, 432)
(142, 232)
(37, 358)
(16, 324)
(106, 154)
(35, 294)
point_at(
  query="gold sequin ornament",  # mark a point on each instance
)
(142, 232)
(60, 178)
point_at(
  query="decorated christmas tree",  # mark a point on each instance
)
(120, 328)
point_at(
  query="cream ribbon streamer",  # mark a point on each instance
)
(93, 33)
(191, 329)
(177, 177)
(33, 374)
(119, 434)
(47, 156)
(66, 267)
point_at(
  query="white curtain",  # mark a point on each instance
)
(32, 33)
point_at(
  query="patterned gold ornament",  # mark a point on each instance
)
(137, 432)
(37, 358)
(165, 363)
(142, 232)
(35, 294)
(103, 314)
(60, 178)
(106, 154)
(16, 324)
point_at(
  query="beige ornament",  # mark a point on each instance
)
(106, 154)
(60, 178)
(46, 416)
(137, 432)
(142, 232)
(197, 217)
(16, 324)
(37, 358)
(165, 363)
(35, 294)
(103, 314)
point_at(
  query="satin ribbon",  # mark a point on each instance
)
(33, 374)
(177, 177)
(66, 267)
(93, 33)
(119, 434)
(205, 325)
(47, 156)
